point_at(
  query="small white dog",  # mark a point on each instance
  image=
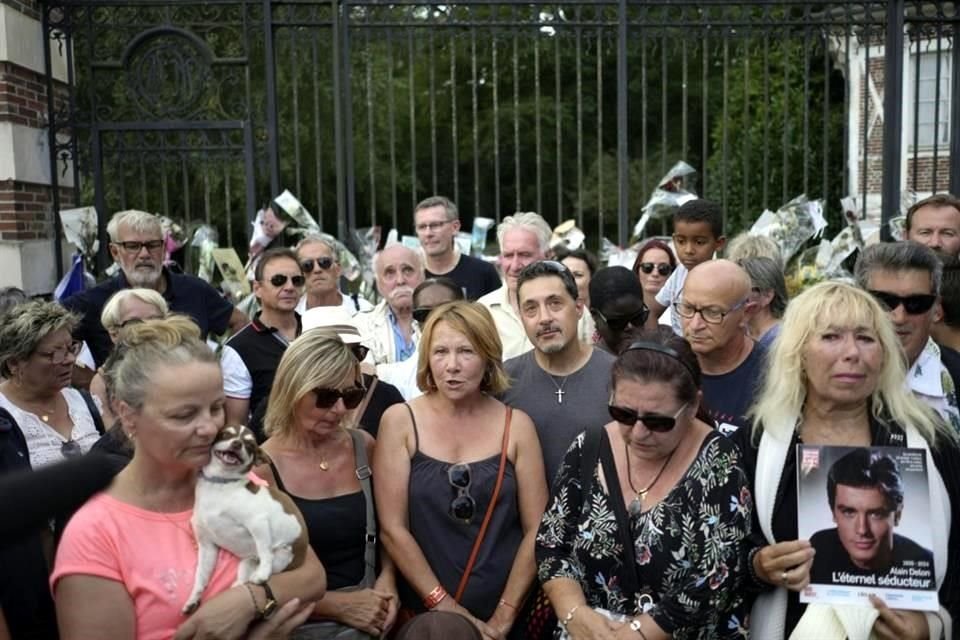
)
(258, 524)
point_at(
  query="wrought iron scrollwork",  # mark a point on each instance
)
(168, 71)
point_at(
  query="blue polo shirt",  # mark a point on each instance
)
(184, 294)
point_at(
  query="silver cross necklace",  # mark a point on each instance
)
(559, 392)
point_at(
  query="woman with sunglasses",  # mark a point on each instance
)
(318, 457)
(42, 421)
(440, 460)
(654, 264)
(836, 377)
(644, 531)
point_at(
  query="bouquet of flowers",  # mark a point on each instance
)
(792, 224)
(671, 192)
(203, 241)
(174, 237)
(567, 235)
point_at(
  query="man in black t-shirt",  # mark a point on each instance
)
(714, 310)
(865, 493)
(437, 222)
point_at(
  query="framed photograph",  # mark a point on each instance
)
(863, 510)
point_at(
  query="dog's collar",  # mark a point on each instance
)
(216, 480)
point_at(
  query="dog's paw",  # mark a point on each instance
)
(190, 607)
(259, 577)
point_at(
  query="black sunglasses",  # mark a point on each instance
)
(619, 324)
(280, 279)
(71, 449)
(662, 268)
(914, 305)
(359, 351)
(352, 397)
(420, 314)
(652, 421)
(322, 263)
(463, 506)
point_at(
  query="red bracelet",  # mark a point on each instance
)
(435, 597)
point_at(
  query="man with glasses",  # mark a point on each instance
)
(390, 327)
(905, 278)
(714, 310)
(437, 222)
(524, 238)
(562, 383)
(250, 358)
(318, 260)
(136, 244)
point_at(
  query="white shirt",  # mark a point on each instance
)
(402, 375)
(509, 326)
(237, 382)
(346, 302)
(931, 383)
(669, 293)
(44, 443)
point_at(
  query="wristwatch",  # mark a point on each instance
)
(270, 604)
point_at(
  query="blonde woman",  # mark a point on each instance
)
(319, 459)
(441, 459)
(125, 307)
(126, 561)
(836, 377)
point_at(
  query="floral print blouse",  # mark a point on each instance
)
(689, 547)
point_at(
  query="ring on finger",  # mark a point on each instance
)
(784, 578)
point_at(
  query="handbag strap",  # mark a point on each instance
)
(631, 577)
(486, 518)
(370, 537)
(359, 411)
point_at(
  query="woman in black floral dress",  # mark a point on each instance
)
(648, 544)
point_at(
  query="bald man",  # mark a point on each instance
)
(714, 310)
(389, 329)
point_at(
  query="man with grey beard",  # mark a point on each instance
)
(562, 384)
(390, 330)
(137, 246)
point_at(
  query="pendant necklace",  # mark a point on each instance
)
(636, 505)
(563, 381)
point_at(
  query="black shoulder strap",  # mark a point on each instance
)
(276, 477)
(94, 412)
(631, 578)
(356, 300)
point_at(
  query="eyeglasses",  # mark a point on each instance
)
(352, 397)
(712, 315)
(662, 268)
(59, 356)
(420, 314)
(132, 321)
(134, 247)
(638, 319)
(280, 279)
(71, 449)
(359, 351)
(463, 506)
(652, 421)
(431, 226)
(914, 304)
(322, 263)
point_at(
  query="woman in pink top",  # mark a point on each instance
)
(126, 562)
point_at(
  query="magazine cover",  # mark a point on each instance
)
(864, 511)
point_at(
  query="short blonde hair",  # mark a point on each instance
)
(144, 347)
(780, 403)
(473, 320)
(318, 358)
(25, 325)
(110, 317)
(135, 219)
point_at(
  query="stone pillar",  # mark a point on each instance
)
(26, 214)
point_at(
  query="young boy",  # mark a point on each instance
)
(697, 235)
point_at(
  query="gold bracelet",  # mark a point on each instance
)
(567, 619)
(507, 604)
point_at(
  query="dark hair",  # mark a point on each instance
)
(865, 470)
(950, 291)
(700, 210)
(440, 281)
(438, 625)
(766, 274)
(898, 256)
(659, 355)
(653, 243)
(611, 283)
(562, 253)
(270, 255)
(545, 268)
(937, 200)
